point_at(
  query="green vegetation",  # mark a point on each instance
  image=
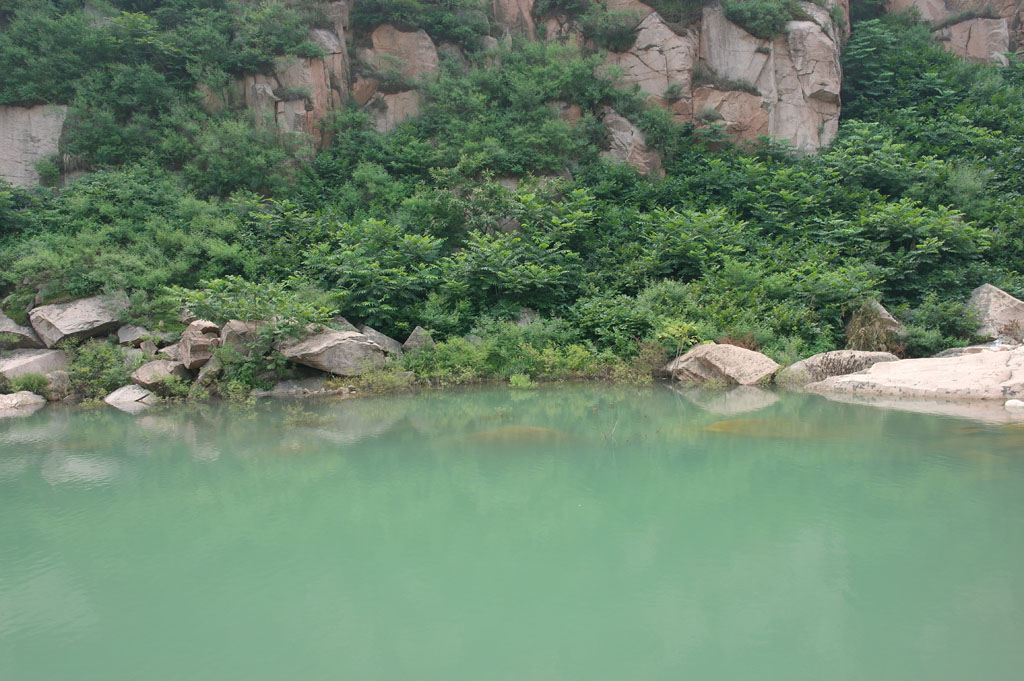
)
(918, 200)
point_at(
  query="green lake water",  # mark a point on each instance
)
(583, 533)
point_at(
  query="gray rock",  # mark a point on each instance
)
(148, 348)
(239, 336)
(26, 336)
(387, 344)
(343, 353)
(19, 401)
(1000, 315)
(209, 372)
(836, 363)
(81, 318)
(153, 374)
(170, 351)
(132, 335)
(58, 385)
(724, 363)
(129, 393)
(20, 362)
(418, 339)
(197, 343)
(342, 324)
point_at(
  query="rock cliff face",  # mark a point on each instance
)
(979, 30)
(787, 87)
(28, 134)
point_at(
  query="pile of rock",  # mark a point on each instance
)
(344, 351)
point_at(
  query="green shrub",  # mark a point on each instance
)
(764, 19)
(95, 368)
(34, 383)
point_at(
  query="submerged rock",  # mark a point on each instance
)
(836, 363)
(131, 398)
(80, 318)
(722, 363)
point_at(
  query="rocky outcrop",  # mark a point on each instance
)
(82, 318)
(28, 134)
(626, 144)
(976, 376)
(979, 30)
(343, 353)
(659, 59)
(411, 53)
(197, 343)
(301, 92)
(999, 314)
(724, 363)
(22, 336)
(515, 17)
(826, 364)
(153, 374)
(20, 362)
(786, 87)
(980, 40)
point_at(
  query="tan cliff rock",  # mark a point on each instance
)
(978, 30)
(28, 134)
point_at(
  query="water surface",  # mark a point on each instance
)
(565, 533)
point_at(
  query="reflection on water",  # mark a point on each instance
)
(585, 532)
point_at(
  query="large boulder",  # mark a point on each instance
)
(153, 374)
(343, 353)
(725, 363)
(626, 144)
(977, 376)
(197, 343)
(80, 318)
(28, 134)
(825, 364)
(22, 336)
(20, 362)
(20, 400)
(1000, 315)
(388, 344)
